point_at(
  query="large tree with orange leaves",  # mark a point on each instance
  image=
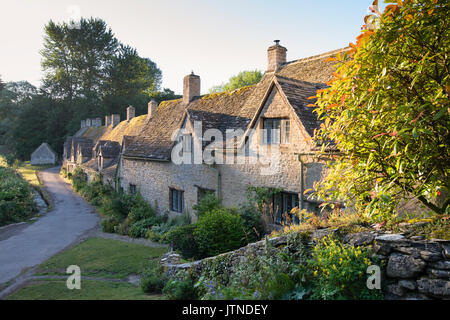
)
(387, 110)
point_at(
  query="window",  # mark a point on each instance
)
(132, 189)
(285, 131)
(202, 192)
(176, 200)
(283, 203)
(273, 128)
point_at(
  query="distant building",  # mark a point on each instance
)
(44, 154)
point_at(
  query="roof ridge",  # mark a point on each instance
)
(317, 56)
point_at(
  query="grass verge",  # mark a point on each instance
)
(30, 173)
(90, 290)
(96, 257)
(103, 257)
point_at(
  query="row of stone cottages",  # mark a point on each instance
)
(138, 154)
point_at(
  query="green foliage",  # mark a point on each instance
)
(253, 224)
(260, 197)
(180, 288)
(140, 228)
(273, 274)
(339, 272)
(207, 204)
(79, 179)
(87, 73)
(16, 197)
(160, 232)
(182, 239)
(153, 280)
(109, 224)
(219, 231)
(295, 271)
(387, 110)
(242, 79)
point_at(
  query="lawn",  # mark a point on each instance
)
(96, 257)
(103, 257)
(29, 172)
(90, 290)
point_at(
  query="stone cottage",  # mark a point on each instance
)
(271, 116)
(259, 135)
(44, 154)
(96, 148)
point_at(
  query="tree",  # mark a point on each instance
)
(242, 79)
(387, 110)
(131, 79)
(75, 60)
(163, 95)
(2, 85)
(14, 98)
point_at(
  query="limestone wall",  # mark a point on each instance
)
(154, 178)
(413, 268)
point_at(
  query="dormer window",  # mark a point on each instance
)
(276, 131)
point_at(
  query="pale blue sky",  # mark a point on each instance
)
(215, 39)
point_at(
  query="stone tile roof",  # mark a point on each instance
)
(234, 110)
(110, 171)
(131, 128)
(110, 149)
(90, 165)
(155, 139)
(312, 69)
(297, 93)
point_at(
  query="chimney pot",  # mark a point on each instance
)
(276, 56)
(107, 121)
(152, 105)
(130, 113)
(83, 124)
(88, 122)
(191, 87)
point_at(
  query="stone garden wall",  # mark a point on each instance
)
(413, 268)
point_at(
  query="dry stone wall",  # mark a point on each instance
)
(414, 268)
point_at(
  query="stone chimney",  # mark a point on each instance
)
(152, 105)
(83, 124)
(88, 122)
(97, 122)
(276, 55)
(130, 113)
(191, 87)
(115, 120)
(107, 121)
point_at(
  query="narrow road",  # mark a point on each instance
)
(69, 219)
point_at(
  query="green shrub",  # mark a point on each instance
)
(209, 203)
(16, 197)
(63, 172)
(79, 179)
(180, 289)
(140, 228)
(219, 231)
(339, 271)
(139, 209)
(253, 224)
(153, 280)
(109, 224)
(182, 239)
